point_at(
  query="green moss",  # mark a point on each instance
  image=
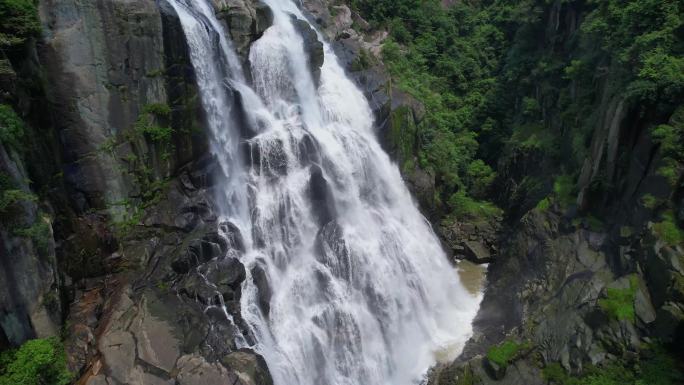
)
(36, 362)
(668, 230)
(619, 303)
(464, 206)
(564, 189)
(506, 352)
(402, 133)
(649, 201)
(544, 204)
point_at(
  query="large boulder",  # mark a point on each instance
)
(247, 20)
(250, 368)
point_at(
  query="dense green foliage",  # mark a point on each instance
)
(18, 21)
(657, 368)
(668, 230)
(36, 362)
(518, 82)
(505, 352)
(671, 139)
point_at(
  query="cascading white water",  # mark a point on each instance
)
(362, 292)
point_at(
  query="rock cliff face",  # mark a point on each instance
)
(29, 282)
(120, 168)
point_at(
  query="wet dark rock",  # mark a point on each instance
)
(332, 250)
(225, 273)
(308, 151)
(232, 236)
(477, 252)
(203, 174)
(196, 288)
(321, 196)
(199, 251)
(267, 157)
(312, 47)
(260, 279)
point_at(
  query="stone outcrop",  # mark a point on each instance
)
(163, 321)
(246, 20)
(546, 289)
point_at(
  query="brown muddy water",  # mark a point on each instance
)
(473, 278)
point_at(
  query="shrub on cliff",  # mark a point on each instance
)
(18, 21)
(36, 362)
(11, 128)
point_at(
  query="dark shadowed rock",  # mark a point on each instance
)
(260, 279)
(477, 252)
(232, 235)
(321, 196)
(312, 47)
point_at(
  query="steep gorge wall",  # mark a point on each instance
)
(91, 75)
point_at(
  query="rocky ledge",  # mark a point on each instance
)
(159, 320)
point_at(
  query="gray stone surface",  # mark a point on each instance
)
(29, 298)
(195, 370)
(98, 55)
(156, 343)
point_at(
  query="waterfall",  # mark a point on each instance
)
(347, 283)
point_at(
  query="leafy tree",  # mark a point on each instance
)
(36, 362)
(18, 21)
